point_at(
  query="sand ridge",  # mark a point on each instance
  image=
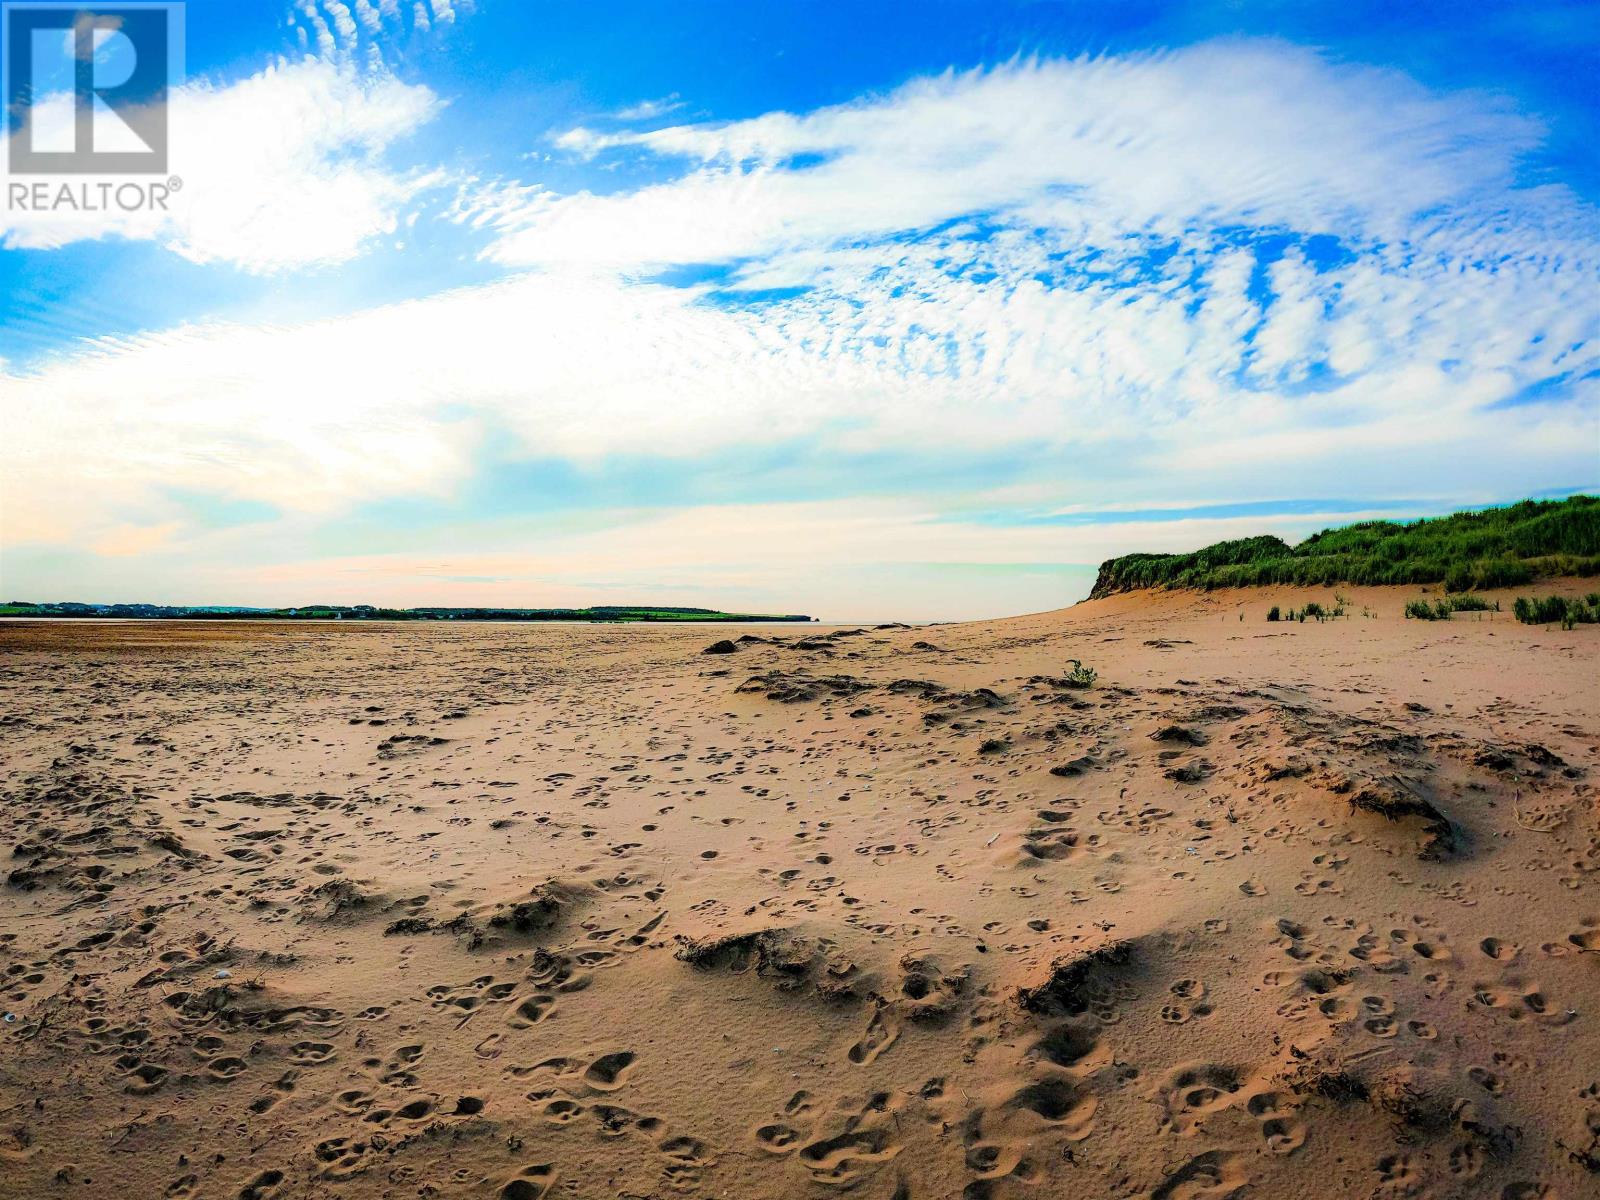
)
(582, 911)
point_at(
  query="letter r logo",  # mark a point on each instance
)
(86, 86)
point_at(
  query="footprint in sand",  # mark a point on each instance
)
(1520, 1000)
(467, 997)
(1586, 940)
(531, 1183)
(994, 1160)
(1280, 1126)
(310, 1054)
(842, 1159)
(531, 1011)
(1487, 1080)
(1195, 1091)
(1076, 1049)
(142, 1077)
(609, 1071)
(1188, 1003)
(281, 1088)
(395, 1070)
(263, 1187)
(1060, 1104)
(415, 1110)
(354, 1101)
(614, 1121)
(881, 1033)
(777, 1139)
(1397, 1174)
(1527, 1189)
(555, 1108)
(1500, 951)
(687, 1160)
(224, 1069)
(1216, 1173)
(341, 1157)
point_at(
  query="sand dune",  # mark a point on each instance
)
(569, 911)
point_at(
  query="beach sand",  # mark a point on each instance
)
(1270, 910)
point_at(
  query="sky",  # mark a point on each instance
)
(863, 310)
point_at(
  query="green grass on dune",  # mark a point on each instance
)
(1494, 547)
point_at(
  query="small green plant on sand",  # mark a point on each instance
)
(1550, 610)
(1080, 676)
(1440, 610)
(1313, 611)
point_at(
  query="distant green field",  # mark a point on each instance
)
(1494, 547)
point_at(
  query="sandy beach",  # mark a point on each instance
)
(1269, 910)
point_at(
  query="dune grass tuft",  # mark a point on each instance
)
(1551, 610)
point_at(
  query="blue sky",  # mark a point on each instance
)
(912, 310)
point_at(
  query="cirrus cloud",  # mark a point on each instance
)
(284, 169)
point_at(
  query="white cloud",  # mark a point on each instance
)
(371, 19)
(1229, 133)
(649, 110)
(399, 401)
(349, 32)
(344, 25)
(1140, 187)
(283, 169)
(310, 14)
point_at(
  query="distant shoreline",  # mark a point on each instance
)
(91, 619)
(601, 615)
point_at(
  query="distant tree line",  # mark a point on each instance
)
(368, 612)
